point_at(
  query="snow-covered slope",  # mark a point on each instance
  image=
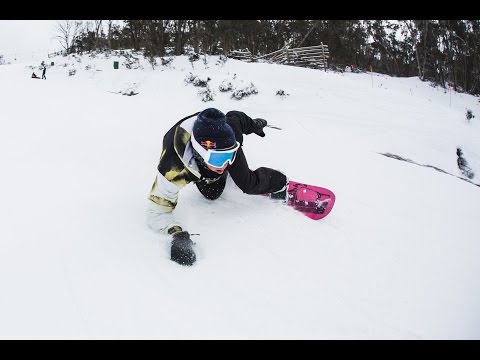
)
(395, 259)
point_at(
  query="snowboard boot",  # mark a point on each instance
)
(280, 194)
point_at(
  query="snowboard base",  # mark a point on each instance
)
(313, 201)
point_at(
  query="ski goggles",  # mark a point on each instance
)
(216, 158)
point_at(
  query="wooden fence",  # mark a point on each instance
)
(309, 56)
(244, 55)
(63, 53)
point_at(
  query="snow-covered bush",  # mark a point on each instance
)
(241, 92)
(239, 88)
(131, 62)
(196, 81)
(222, 59)
(281, 93)
(201, 82)
(206, 94)
(189, 78)
(166, 61)
(225, 86)
(152, 61)
(193, 57)
(469, 115)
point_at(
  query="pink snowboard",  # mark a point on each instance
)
(313, 201)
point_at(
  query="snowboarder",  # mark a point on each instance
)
(204, 148)
(43, 73)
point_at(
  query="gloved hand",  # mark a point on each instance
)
(258, 125)
(181, 250)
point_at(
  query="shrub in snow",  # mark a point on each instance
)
(131, 62)
(166, 61)
(189, 78)
(149, 55)
(193, 57)
(169, 51)
(239, 88)
(222, 59)
(152, 62)
(72, 72)
(337, 68)
(129, 93)
(196, 81)
(225, 86)
(130, 89)
(241, 92)
(107, 53)
(469, 115)
(201, 82)
(206, 94)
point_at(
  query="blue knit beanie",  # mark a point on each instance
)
(211, 130)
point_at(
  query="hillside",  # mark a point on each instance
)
(395, 259)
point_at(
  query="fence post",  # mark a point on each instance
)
(324, 58)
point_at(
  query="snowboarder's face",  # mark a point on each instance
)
(217, 170)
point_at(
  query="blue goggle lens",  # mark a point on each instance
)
(218, 159)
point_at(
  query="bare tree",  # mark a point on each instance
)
(68, 32)
(98, 31)
(421, 68)
(109, 33)
(315, 24)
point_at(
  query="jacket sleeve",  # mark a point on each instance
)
(162, 201)
(171, 176)
(241, 123)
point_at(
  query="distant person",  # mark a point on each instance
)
(43, 73)
(34, 76)
(204, 148)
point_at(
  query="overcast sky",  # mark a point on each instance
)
(25, 37)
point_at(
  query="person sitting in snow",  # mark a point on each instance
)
(204, 148)
(34, 76)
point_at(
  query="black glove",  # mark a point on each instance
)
(181, 251)
(258, 125)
